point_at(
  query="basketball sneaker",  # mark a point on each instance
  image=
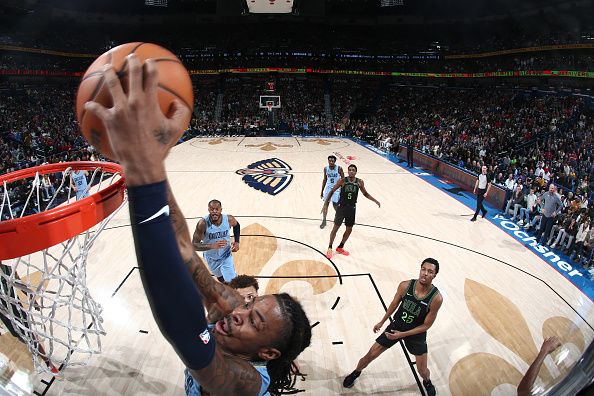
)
(350, 379)
(342, 251)
(429, 387)
(323, 224)
(329, 254)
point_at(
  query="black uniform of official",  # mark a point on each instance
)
(409, 151)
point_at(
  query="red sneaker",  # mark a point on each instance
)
(342, 251)
(329, 254)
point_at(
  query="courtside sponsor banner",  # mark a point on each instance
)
(374, 149)
(560, 262)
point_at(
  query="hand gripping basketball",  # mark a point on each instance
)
(140, 135)
(174, 84)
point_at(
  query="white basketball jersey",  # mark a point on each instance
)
(332, 176)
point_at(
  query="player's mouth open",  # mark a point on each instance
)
(222, 327)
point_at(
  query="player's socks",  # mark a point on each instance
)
(340, 250)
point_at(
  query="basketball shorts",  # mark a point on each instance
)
(346, 214)
(335, 196)
(416, 344)
(222, 268)
(82, 194)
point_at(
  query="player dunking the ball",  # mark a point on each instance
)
(346, 208)
(252, 346)
(418, 302)
(332, 173)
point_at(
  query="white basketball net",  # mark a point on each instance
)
(45, 294)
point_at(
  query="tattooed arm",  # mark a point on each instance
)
(219, 299)
(226, 375)
(323, 183)
(141, 137)
(198, 237)
(164, 254)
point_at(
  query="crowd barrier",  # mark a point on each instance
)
(462, 177)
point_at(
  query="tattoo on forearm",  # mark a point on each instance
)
(200, 247)
(162, 135)
(211, 289)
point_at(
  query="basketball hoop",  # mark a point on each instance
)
(269, 106)
(44, 243)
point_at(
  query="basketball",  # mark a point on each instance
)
(174, 82)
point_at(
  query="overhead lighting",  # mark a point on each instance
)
(156, 3)
(391, 3)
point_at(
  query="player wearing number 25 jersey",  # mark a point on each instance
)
(417, 301)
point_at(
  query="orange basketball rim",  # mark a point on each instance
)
(29, 234)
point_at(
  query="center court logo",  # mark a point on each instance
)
(269, 146)
(567, 269)
(271, 176)
(347, 160)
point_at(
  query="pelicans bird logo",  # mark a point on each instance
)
(271, 176)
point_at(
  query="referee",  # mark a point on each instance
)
(481, 189)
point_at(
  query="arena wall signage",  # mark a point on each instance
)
(574, 273)
(511, 73)
(531, 241)
(541, 48)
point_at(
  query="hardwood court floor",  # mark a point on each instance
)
(490, 327)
